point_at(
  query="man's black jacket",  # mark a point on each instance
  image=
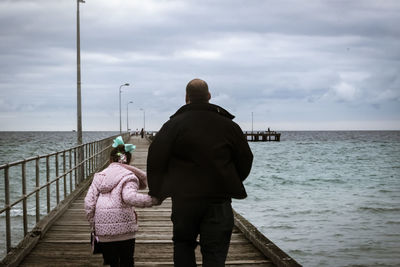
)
(199, 153)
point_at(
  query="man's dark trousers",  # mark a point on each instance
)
(212, 219)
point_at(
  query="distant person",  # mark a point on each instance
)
(142, 133)
(200, 158)
(109, 205)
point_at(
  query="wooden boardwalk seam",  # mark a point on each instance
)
(67, 241)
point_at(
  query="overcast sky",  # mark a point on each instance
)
(296, 65)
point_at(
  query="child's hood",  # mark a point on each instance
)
(110, 177)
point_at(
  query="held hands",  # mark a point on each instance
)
(155, 201)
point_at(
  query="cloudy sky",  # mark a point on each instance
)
(294, 65)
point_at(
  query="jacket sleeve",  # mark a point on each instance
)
(243, 156)
(160, 151)
(90, 202)
(139, 174)
(131, 196)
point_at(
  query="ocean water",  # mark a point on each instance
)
(15, 146)
(326, 198)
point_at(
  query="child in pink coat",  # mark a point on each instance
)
(110, 202)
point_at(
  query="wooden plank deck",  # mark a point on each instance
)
(67, 241)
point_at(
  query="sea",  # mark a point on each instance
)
(326, 198)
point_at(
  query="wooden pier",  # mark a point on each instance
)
(262, 136)
(66, 242)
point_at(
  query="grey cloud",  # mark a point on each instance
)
(281, 58)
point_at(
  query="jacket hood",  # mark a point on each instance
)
(141, 175)
(110, 177)
(204, 107)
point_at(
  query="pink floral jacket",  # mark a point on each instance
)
(110, 201)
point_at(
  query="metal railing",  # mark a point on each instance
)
(44, 182)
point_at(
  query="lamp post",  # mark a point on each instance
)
(120, 120)
(78, 75)
(144, 119)
(251, 122)
(78, 94)
(127, 115)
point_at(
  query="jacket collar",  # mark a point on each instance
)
(203, 107)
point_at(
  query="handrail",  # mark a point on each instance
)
(45, 176)
(47, 155)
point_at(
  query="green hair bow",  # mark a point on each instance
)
(128, 147)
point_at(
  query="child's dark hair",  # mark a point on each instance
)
(115, 155)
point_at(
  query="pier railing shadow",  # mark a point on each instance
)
(37, 188)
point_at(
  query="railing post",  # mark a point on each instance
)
(81, 168)
(65, 175)
(86, 162)
(37, 191)
(48, 181)
(70, 172)
(91, 157)
(101, 155)
(96, 150)
(7, 206)
(94, 157)
(86, 159)
(75, 169)
(57, 182)
(24, 209)
(98, 156)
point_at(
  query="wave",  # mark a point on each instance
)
(281, 227)
(306, 143)
(313, 211)
(318, 182)
(304, 181)
(281, 180)
(15, 213)
(385, 191)
(379, 209)
(393, 222)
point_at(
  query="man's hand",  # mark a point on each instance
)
(155, 201)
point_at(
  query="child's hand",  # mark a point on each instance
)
(155, 201)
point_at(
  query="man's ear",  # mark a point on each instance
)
(209, 96)
(187, 99)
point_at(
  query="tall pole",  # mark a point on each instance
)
(120, 119)
(144, 119)
(127, 116)
(78, 76)
(78, 95)
(251, 122)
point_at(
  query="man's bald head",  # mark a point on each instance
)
(197, 91)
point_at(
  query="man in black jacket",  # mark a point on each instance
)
(199, 158)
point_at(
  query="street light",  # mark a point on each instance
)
(251, 122)
(127, 115)
(120, 120)
(144, 119)
(78, 75)
(78, 95)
